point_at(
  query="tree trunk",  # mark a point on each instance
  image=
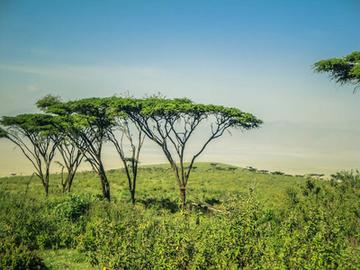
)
(133, 197)
(134, 184)
(63, 183)
(183, 196)
(46, 187)
(104, 184)
(47, 179)
(70, 181)
(131, 182)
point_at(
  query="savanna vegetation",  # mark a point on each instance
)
(78, 129)
(158, 217)
(235, 219)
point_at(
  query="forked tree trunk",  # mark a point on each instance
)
(133, 197)
(131, 181)
(183, 196)
(104, 183)
(182, 184)
(70, 181)
(45, 182)
(67, 183)
(105, 187)
(46, 187)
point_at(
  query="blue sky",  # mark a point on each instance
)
(255, 55)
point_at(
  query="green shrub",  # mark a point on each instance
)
(51, 224)
(13, 256)
(313, 224)
(27, 221)
(181, 241)
(313, 232)
(351, 179)
(72, 208)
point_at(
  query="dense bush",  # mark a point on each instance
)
(37, 224)
(72, 208)
(317, 227)
(319, 230)
(13, 256)
(26, 221)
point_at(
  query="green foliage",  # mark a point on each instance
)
(3, 133)
(75, 116)
(72, 208)
(38, 132)
(343, 70)
(39, 224)
(18, 257)
(170, 123)
(29, 123)
(94, 120)
(282, 223)
(86, 123)
(347, 178)
(48, 101)
(313, 234)
(25, 224)
(177, 108)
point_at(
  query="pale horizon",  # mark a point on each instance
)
(264, 148)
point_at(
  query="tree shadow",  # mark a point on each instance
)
(212, 201)
(163, 203)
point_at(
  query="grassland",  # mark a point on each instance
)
(268, 221)
(208, 181)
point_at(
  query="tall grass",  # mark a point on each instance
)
(239, 219)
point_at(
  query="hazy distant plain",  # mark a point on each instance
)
(288, 147)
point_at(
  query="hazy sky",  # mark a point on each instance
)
(255, 55)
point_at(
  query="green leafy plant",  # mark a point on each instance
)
(344, 70)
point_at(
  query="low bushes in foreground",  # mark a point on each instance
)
(307, 235)
(317, 228)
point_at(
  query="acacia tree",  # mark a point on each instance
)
(134, 138)
(91, 122)
(344, 70)
(36, 137)
(71, 155)
(170, 123)
(85, 123)
(126, 137)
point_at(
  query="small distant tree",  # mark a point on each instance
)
(34, 134)
(130, 159)
(71, 155)
(170, 123)
(344, 70)
(128, 147)
(47, 101)
(86, 123)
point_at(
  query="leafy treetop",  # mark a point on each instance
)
(342, 70)
(172, 109)
(29, 123)
(48, 101)
(3, 133)
(83, 113)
